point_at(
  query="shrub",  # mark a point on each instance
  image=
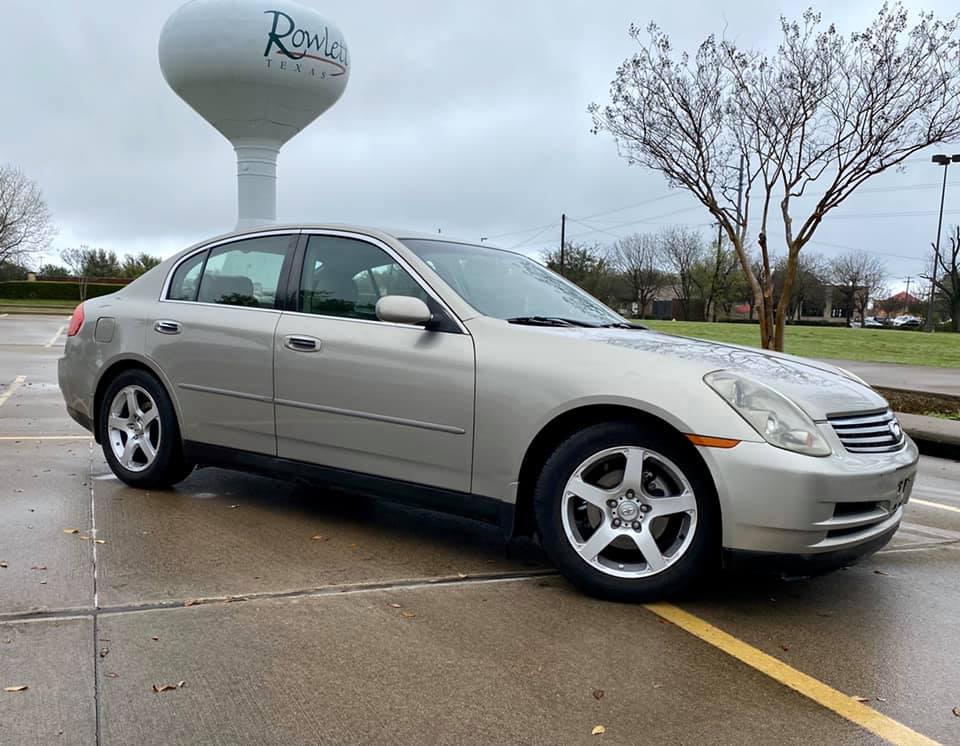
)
(45, 290)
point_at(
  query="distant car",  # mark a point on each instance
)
(474, 380)
(871, 323)
(907, 321)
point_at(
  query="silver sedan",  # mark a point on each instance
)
(473, 380)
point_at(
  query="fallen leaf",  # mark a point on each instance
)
(408, 615)
(462, 575)
(353, 546)
(154, 638)
(598, 693)
(881, 699)
(881, 572)
(191, 602)
(71, 530)
(318, 537)
(99, 541)
(181, 684)
(234, 506)
(862, 699)
(598, 730)
(784, 647)
(104, 652)
(83, 537)
(112, 675)
(665, 621)
(395, 606)
(21, 688)
(39, 567)
(163, 687)
(43, 582)
(956, 711)
(3, 564)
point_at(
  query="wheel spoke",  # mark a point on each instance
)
(596, 496)
(147, 448)
(599, 541)
(649, 549)
(129, 449)
(150, 415)
(672, 505)
(117, 423)
(132, 406)
(633, 470)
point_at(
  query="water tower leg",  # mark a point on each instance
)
(256, 182)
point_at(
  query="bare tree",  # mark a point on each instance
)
(25, 226)
(637, 259)
(76, 260)
(948, 278)
(683, 252)
(743, 131)
(717, 270)
(857, 277)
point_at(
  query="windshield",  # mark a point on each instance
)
(506, 285)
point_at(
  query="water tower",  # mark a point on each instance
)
(258, 72)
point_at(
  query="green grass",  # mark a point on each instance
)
(32, 305)
(940, 350)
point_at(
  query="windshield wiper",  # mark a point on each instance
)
(548, 321)
(622, 325)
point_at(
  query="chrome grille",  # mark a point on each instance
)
(871, 432)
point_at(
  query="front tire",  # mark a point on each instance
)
(139, 432)
(628, 512)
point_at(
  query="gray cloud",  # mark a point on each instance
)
(469, 117)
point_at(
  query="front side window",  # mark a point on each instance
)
(245, 273)
(346, 277)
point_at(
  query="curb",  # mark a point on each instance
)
(933, 436)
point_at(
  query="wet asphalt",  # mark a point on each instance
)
(280, 614)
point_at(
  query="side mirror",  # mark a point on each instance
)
(403, 309)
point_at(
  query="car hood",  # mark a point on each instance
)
(818, 388)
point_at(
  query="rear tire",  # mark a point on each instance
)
(139, 432)
(628, 512)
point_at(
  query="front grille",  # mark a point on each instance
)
(873, 432)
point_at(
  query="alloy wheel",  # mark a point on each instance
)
(133, 428)
(629, 512)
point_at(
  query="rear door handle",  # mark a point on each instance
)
(165, 326)
(301, 343)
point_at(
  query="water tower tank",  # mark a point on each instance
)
(258, 72)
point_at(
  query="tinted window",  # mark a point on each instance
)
(346, 277)
(185, 280)
(245, 273)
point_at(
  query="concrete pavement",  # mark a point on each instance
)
(913, 377)
(397, 625)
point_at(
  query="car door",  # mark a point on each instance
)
(212, 335)
(356, 393)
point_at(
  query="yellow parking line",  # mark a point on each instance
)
(824, 695)
(17, 383)
(928, 504)
(45, 437)
(55, 337)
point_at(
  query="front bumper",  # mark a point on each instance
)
(782, 503)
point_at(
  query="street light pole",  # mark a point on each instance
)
(940, 160)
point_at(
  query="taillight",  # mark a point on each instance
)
(76, 321)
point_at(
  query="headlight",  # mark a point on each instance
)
(778, 420)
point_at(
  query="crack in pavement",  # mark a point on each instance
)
(442, 581)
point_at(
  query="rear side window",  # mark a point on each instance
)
(245, 273)
(186, 279)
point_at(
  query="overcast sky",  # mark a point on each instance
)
(466, 117)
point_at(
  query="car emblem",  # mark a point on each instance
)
(895, 429)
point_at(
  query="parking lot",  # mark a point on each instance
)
(268, 612)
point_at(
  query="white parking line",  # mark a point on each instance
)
(4, 315)
(928, 504)
(17, 383)
(55, 337)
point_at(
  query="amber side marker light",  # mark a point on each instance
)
(706, 440)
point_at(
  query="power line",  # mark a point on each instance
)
(535, 236)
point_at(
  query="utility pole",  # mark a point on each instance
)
(563, 240)
(940, 160)
(906, 297)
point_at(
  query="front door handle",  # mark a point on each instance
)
(301, 343)
(165, 326)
